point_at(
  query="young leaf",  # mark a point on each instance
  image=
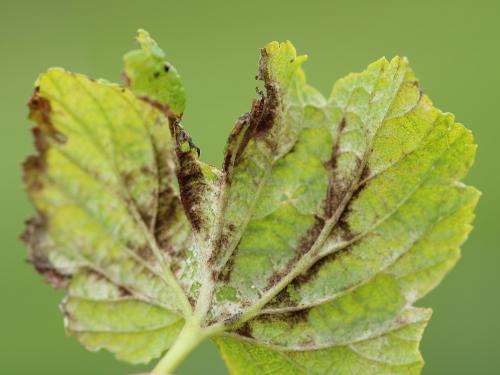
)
(304, 254)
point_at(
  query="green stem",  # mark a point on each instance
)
(190, 337)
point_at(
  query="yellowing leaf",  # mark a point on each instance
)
(99, 182)
(303, 254)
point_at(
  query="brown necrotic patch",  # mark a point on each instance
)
(143, 251)
(305, 244)
(364, 175)
(220, 244)
(244, 330)
(283, 298)
(224, 276)
(44, 133)
(39, 107)
(254, 125)
(308, 240)
(169, 211)
(192, 183)
(312, 271)
(222, 272)
(35, 237)
(343, 226)
(124, 292)
(35, 234)
(291, 318)
(32, 167)
(259, 121)
(234, 143)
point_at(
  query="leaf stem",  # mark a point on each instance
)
(189, 338)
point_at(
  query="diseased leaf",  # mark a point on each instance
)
(395, 352)
(304, 254)
(97, 186)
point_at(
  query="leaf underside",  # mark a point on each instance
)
(306, 251)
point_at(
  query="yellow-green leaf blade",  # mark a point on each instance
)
(395, 352)
(385, 226)
(96, 185)
(102, 315)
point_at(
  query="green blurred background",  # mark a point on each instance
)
(453, 46)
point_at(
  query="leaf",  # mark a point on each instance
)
(395, 352)
(150, 76)
(97, 184)
(303, 254)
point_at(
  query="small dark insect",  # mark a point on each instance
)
(166, 68)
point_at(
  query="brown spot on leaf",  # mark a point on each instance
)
(306, 276)
(307, 241)
(34, 237)
(344, 227)
(262, 117)
(192, 183)
(127, 177)
(52, 276)
(254, 125)
(245, 330)
(124, 292)
(281, 299)
(43, 134)
(311, 273)
(39, 107)
(144, 252)
(221, 244)
(366, 173)
(305, 245)
(278, 275)
(233, 143)
(168, 212)
(292, 317)
(31, 172)
(343, 223)
(34, 166)
(342, 125)
(225, 275)
(297, 316)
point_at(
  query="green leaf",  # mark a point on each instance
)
(150, 76)
(303, 254)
